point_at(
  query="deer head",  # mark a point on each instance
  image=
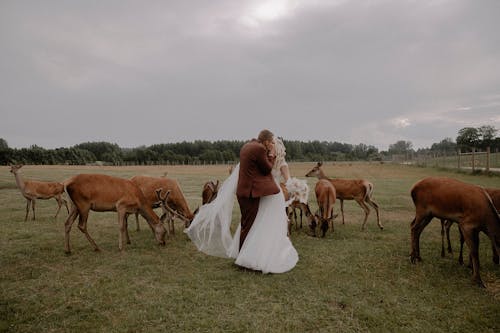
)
(210, 190)
(167, 210)
(316, 171)
(15, 168)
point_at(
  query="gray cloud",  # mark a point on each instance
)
(351, 71)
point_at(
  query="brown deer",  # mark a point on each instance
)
(32, 190)
(176, 200)
(168, 212)
(325, 196)
(446, 226)
(102, 193)
(359, 190)
(469, 205)
(209, 192)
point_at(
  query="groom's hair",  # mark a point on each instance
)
(265, 135)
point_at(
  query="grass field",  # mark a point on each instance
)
(350, 281)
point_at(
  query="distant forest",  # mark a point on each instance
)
(208, 152)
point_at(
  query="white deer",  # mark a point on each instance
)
(32, 190)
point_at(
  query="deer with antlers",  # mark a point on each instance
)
(33, 190)
(176, 200)
(359, 190)
(103, 193)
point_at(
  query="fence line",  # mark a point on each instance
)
(475, 160)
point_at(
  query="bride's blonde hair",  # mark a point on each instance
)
(280, 153)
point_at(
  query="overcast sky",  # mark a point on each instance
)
(144, 72)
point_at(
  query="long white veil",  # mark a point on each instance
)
(210, 229)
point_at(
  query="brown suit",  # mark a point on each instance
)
(254, 181)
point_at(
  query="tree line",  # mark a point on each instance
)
(196, 152)
(208, 152)
(468, 138)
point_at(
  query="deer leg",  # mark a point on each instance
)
(82, 225)
(289, 218)
(442, 237)
(367, 212)
(462, 240)
(165, 217)
(28, 206)
(417, 226)
(496, 259)
(126, 229)
(65, 204)
(171, 224)
(67, 227)
(342, 209)
(295, 219)
(472, 239)
(33, 208)
(301, 215)
(123, 229)
(448, 225)
(59, 204)
(324, 227)
(332, 217)
(138, 228)
(375, 206)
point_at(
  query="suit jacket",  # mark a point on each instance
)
(255, 179)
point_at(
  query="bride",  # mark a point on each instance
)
(267, 247)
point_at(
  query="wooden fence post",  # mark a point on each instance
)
(473, 162)
(459, 153)
(487, 159)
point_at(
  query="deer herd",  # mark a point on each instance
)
(472, 208)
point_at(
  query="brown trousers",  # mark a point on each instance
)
(248, 209)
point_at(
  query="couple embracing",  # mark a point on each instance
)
(260, 242)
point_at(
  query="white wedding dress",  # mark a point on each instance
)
(267, 247)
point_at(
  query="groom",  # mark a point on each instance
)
(255, 180)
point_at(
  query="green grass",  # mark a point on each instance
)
(350, 281)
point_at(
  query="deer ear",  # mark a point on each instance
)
(320, 164)
(217, 184)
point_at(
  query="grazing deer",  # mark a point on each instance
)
(103, 193)
(469, 205)
(209, 192)
(359, 190)
(325, 195)
(176, 200)
(297, 204)
(33, 190)
(446, 226)
(168, 212)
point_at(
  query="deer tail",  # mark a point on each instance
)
(497, 217)
(368, 190)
